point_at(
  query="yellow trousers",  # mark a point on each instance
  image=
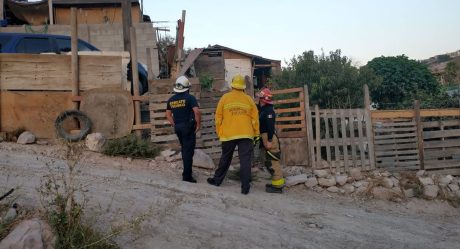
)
(271, 159)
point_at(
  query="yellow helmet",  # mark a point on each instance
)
(238, 82)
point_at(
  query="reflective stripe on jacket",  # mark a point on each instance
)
(236, 117)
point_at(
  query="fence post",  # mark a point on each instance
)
(310, 146)
(318, 135)
(418, 123)
(369, 127)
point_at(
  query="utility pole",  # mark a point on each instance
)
(179, 45)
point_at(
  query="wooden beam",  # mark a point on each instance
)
(386, 114)
(127, 23)
(262, 65)
(418, 123)
(74, 49)
(142, 127)
(50, 10)
(369, 130)
(310, 145)
(134, 69)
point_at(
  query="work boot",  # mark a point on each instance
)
(272, 189)
(189, 179)
(212, 181)
(245, 190)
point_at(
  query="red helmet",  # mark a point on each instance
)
(266, 96)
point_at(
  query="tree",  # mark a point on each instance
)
(163, 44)
(403, 81)
(450, 72)
(332, 80)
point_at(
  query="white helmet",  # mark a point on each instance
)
(182, 85)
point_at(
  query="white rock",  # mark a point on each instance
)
(425, 181)
(294, 180)
(293, 170)
(321, 173)
(453, 187)
(129, 159)
(203, 160)
(10, 215)
(356, 174)
(42, 142)
(387, 182)
(29, 234)
(341, 179)
(386, 174)
(167, 153)
(445, 180)
(95, 142)
(430, 191)
(350, 179)
(395, 181)
(26, 138)
(160, 158)
(361, 184)
(326, 182)
(311, 182)
(361, 189)
(348, 188)
(333, 189)
(420, 173)
(382, 193)
(376, 173)
(409, 193)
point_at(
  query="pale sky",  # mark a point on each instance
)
(280, 29)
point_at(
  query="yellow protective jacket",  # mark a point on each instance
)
(236, 117)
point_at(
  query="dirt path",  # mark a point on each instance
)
(184, 215)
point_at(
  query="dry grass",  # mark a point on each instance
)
(131, 146)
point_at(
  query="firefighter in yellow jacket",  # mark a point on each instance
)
(237, 123)
(270, 146)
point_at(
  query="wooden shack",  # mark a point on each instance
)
(223, 63)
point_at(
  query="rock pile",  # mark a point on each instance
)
(380, 184)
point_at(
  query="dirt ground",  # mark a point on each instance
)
(184, 215)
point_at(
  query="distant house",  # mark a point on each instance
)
(223, 63)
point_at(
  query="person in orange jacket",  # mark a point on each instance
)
(237, 123)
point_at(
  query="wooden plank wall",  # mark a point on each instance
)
(396, 145)
(290, 111)
(52, 72)
(33, 111)
(418, 139)
(441, 141)
(340, 140)
(160, 91)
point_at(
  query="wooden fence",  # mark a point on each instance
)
(290, 111)
(418, 139)
(340, 139)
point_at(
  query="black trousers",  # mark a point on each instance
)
(245, 150)
(187, 138)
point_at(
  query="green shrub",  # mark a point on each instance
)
(131, 146)
(206, 81)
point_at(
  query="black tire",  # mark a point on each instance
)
(84, 121)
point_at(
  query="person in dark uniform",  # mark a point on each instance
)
(183, 113)
(270, 147)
